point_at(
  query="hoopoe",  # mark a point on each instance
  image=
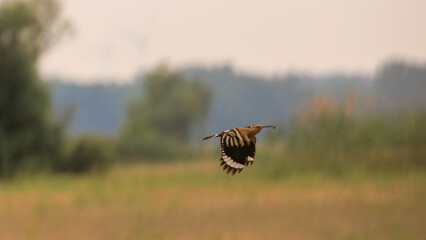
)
(238, 147)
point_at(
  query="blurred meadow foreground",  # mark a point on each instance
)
(347, 160)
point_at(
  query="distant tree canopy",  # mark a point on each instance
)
(401, 86)
(157, 124)
(28, 135)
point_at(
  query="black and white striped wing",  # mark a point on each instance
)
(236, 152)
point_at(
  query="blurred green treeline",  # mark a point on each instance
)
(157, 124)
(378, 126)
(30, 138)
(28, 135)
(329, 137)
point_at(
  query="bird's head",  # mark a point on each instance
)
(255, 129)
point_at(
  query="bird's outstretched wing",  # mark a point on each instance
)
(251, 153)
(236, 151)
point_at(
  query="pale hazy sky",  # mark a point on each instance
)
(115, 39)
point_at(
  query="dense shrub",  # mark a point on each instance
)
(89, 154)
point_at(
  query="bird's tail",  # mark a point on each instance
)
(212, 136)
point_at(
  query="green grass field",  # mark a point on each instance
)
(196, 200)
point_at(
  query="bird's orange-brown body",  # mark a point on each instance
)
(238, 147)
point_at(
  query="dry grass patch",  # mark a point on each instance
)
(197, 201)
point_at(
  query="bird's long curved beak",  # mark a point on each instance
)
(270, 126)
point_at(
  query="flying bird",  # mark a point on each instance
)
(238, 147)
